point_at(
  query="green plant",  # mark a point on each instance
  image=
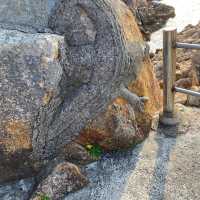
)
(94, 150)
(44, 197)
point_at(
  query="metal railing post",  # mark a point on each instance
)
(169, 73)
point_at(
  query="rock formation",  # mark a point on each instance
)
(150, 15)
(63, 63)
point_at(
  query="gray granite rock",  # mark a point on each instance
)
(99, 58)
(52, 85)
(17, 191)
(64, 178)
(29, 80)
(18, 14)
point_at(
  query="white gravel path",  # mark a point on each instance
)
(159, 169)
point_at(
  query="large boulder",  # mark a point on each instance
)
(134, 4)
(52, 85)
(150, 15)
(122, 126)
(25, 15)
(30, 82)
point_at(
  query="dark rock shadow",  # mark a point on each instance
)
(16, 166)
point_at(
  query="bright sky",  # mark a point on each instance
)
(187, 12)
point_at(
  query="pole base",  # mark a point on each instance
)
(169, 125)
(168, 121)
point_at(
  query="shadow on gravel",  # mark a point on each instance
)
(166, 140)
(109, 175)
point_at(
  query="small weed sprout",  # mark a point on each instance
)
(44, 197)
(94, 150)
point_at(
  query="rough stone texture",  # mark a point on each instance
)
(155, 15)
(196, 62)
(115, 129)
(76, 153)
(29, 81)
(26, 15)
(63, 179)
(122, 126)
(150, 15)
(17, 191)
(53, 85)
(136, 3)
(51, 99)
(102, 54)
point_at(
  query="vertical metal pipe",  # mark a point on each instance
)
(169, 69)
(169, 73)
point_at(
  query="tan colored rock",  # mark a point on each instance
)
(121, 126)
(134, 126)
(114, 129)
(17, 137)
(184, 83)
(196, 63)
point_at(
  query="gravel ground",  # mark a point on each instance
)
(161, 168)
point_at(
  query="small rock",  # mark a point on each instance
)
(76, 153)
(196, 63)
(65, 177)
(184, 83)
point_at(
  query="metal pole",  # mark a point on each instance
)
(185, 91)
(169, 72)
(187, 46)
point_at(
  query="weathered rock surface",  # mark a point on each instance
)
(122, 126)
(155, 15)
(53, 85)
(115, 129)
(76, 153)
(150, 15)
(19, 190)
(30, 79)
(133, 4)
(64, 178)
(25, 15)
